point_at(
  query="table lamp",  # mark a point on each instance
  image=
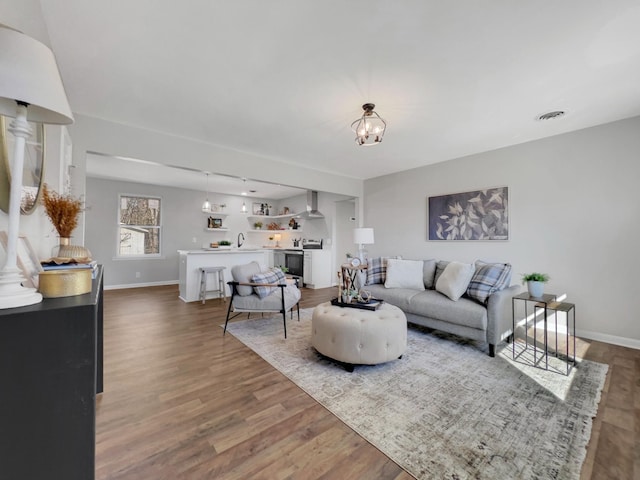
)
(277, 237)
(362, 236)
(30, 90)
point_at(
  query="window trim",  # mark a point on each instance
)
(150, 256)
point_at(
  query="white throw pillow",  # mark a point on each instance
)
(455, 279)
(405, 274)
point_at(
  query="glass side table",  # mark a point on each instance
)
(569, 310)
(547, 303)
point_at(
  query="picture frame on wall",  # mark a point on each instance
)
(468, 216)
(27, 259)
(258, 209)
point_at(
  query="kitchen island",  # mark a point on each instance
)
(192, 260)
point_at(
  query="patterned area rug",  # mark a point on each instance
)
(446, 409)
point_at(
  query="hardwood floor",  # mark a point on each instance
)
(182, 401)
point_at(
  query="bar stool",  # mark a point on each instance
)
(204, 271)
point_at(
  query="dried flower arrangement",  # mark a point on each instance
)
(62, 210)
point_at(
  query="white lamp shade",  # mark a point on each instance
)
(30, 75)
(363, 236)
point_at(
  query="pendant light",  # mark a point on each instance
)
(244, 192)
(370, 127)
(206, 206)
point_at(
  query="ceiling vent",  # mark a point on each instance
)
(551, 115)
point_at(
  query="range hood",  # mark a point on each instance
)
(312, 206)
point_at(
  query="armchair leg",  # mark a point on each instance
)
(228, 313)
(284, 313)
(284, 321)
(492, 350)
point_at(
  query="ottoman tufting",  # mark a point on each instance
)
(359, 337)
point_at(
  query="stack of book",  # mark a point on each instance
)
(52, 265)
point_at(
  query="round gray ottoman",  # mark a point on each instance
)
(359, 337)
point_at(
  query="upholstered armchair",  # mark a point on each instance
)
(254, 291)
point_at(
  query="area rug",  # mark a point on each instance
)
(446, 409)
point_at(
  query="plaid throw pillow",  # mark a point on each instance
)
(376, 270)
(488, 279)
(273, 276)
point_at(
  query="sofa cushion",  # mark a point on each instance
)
(488, 279)
(273, 276)
(271, 302)
(464, 312)
(440, 266)
(429, 273)
(405, 274)
(243, 274)
(400, 297)
(455, 279)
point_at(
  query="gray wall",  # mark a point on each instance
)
(183, 222)
(573, 210)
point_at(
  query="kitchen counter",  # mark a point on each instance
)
(192, 260)
(202, 251)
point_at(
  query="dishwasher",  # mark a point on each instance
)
(307, 268)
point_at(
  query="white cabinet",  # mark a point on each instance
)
(307, 269)
(317, 268)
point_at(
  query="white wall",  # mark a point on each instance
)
(101, 136)
(574, 213)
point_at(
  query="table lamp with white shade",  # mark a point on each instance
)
(363, 236)
(30, 90)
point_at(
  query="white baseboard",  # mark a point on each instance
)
(139, 285)
(613, 339)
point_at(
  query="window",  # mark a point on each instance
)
(139, 226)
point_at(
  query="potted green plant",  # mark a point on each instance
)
(257, 225)
(224, 244)
(535, 283)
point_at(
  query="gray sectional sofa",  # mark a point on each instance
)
(489, 321)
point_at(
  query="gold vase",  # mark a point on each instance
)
(66, 250)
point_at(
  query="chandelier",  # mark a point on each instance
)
(370, 127)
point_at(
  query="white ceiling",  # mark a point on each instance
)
(285, 78)
(141, 171)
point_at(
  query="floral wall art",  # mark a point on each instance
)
(477, 215)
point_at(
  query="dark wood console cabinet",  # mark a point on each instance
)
(50, 372)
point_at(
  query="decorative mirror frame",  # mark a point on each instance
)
(34, 156)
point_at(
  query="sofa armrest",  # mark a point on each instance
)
(500, 314)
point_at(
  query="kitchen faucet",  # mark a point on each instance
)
(240, 242)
